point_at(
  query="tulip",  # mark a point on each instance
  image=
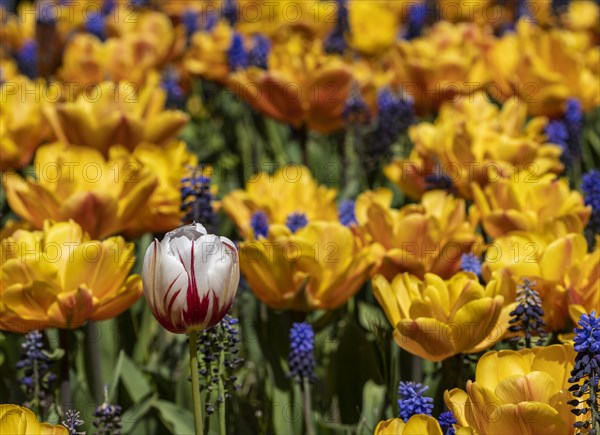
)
(528, 205)
(437, 319)
(87, 61)
(524, 392)
(207, 55)
(18, 420)
(279, 19)
(544, 68)
(60, 278)
(22, 125)
(372, 27)
(582, 282)
(446, 63)
(558, 265)
(116, 114)
(320, 266)
(104, 196)
(428, 237)
(303, 85)
(190, 278)
(291, 189)
(472, 141)
(169, 164)
(418, 424)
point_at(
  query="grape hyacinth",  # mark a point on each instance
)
(107, 417)
(197, 200)
(566, 132)
(469, 262)
(258, 55)
(335, 42)
(260, 224)
(439, 180)
(356, 111)
(295, 221)
(346, 213)
(586, 374)
(411, 400)
(527, 318)
(175, 94)
(27, 58)
(230, 12)
(190, 19)
(590, 185)
(237, 57)
(446, 420)
(36, 365)
(72, 421)
(416, 20)
(219, 349)
(395, 114)
(95, 25)
(301, 357)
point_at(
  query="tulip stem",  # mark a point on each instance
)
(308, 422)
(198, 417)
(92, 359)
(222, 426)
(65, 369)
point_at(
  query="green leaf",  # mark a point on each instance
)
(133, 415)
(371, 317)
(178, 420)
(373, 404)
(116, 376)
(134, 380)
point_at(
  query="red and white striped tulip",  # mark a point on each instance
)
(190, 278)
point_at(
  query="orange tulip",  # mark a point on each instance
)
(303, 85)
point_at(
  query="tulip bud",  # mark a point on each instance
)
(190, 278)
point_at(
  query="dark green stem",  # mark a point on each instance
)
(222, 415)
(66, 397)
(92, 361)
(307, 408)
(198, 416)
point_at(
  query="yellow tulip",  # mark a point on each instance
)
(518, 204)
(22, 124)
(152, 33)
(279, 19)
(372, 27)
(582, 281)
(207, 55)
(418, 238)
(524, 392)
(442, 65)
(436, 319)
(116, 114)
(472, 141)
(558, 265)
(60, 278)
(290, 189)
(18, 420)
(544, 68)
(170, 164)
(583, 16)
(318, 267)
(104, 196)
(418, 424)
(303, 85)
(87, 62)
